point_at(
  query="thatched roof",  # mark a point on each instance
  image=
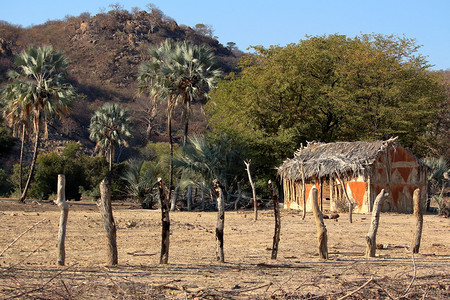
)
(321, 159)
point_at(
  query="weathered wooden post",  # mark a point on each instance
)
(174, 200)
(371, 238)
(255, 204)
(64, 206)
(220, 220)
(276, 213)
(322, 237)
(108, 220)
(303, 191)
(419, 221)
(165, 222)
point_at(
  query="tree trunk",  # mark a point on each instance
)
(165, 223)
(255, 204)
(303, 192)
(419, 221)
(322, 237)
(239, 197)
(371, 238)
(189, 198)
(186, 121)
(110, 157)
(173, 205)
(220, 220)
(22, 139)
(169, 132)
(108, 220)
(64, 207)
(276, 213)
(33, 164)
(350, 203)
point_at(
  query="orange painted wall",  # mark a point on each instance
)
(358, 191)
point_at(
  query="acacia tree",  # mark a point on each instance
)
(110, 127)
(37, 92)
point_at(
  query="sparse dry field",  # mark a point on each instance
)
(28, 268)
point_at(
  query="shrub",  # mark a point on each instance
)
(5, 185)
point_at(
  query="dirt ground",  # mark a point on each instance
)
(28, 267)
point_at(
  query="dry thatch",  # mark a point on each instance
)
(343, 158)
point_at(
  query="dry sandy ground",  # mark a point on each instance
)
(28, 268)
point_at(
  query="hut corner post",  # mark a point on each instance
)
(255, 204)
(220, 220)
(62, 204)
(419, 221)
(108, 220)
(165, 223)
(350, 203)
(303, 192)
(276, 212)
(372, 233)
(322, 237)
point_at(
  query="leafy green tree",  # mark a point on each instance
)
(37, 92)
(326, 88)
(110, 127)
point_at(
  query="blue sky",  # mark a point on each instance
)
(263, 22)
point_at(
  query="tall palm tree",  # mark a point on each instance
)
(110, 127)
(196, 74)
(37, 92)
(178, 72)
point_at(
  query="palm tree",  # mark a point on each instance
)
(177, 73)
(110, 127)
(195, 76)
(210, 159)
(37, 92)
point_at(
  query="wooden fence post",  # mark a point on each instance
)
(108, 221)
(276, 213)
(165, 222)
(64, 206)
(322, 237)
(220, 220)
(371, 238)
(419, 221)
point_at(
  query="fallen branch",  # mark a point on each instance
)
(17, 238)
(358, 289)
(248, 289)
(415, 273)
(44, 285)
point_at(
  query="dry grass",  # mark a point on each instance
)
(28, 268)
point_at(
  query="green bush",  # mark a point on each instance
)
(6, 139)
(5, 185)
(83, 173)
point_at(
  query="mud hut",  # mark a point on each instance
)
(361, 168)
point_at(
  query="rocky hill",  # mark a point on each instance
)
(105, 52)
